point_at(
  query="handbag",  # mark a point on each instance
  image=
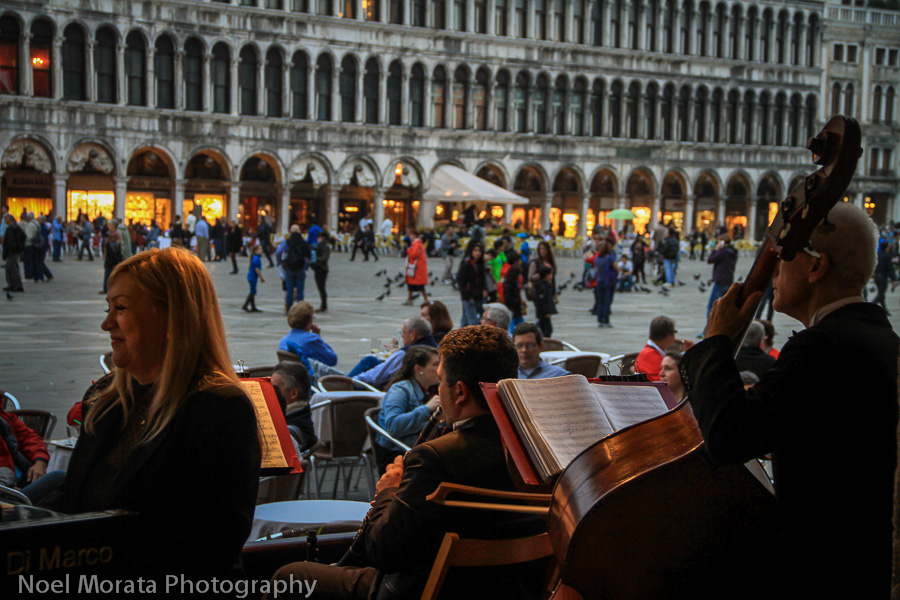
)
(411, 269)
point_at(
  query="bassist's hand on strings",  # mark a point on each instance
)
(726, 318)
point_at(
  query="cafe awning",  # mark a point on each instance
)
(452, 184)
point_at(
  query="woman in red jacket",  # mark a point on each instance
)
(416, 267)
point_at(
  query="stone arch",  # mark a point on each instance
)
(493, 172)
(640, 192)
(769, 193)
(28, 165)
(604, 197)
(412, 175)
(738, 196)
(674, 193)
(270, 159)
(361, 169)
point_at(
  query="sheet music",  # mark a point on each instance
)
(570, 417)
(629, 404)
(272, 456)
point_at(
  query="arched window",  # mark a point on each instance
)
(732, 110)
(395, 93)
(370, 89)
(459, 15)
(651, 100)
(687, 23)
(323, 88)
(347, 90)
(501, 102)
(765, 41)
(164, 70)
(417, 96)
(350, 8)
(598, 103)
(41, 44)
(192, 71)
(795, 39)
(135, 69)
(479, 99)
(615, 109)
(597, 8)
(247, 74)
(395, 12)
(221, 78)
(703, 30)
(889, 105)
(299, 82)
(372, 10)
(541, 91)
(811, 107)
(668, 25)
(684, 103)
(632, 109)
(781, 37)
(848, 100)
(765, 119)
(540, 19)
(836, 98)
(274, 83)
(558, 105)
(667, 105)
(579, 101)
(877, 102)
(500, 16)
(615, 23)
(559, 20)
(796, 121)
(323, 7)
(718, 32)
(521, 19)
(520, 102)
(715, 115)
(748, 117)
(634, 24)
(439, 97)
(778, 118)
(481, 16)
(699, 127)
(734, 33)
(439, 13)
(650, 25)
(10, 32)
(812, 37)
(460, 97)
(751, 32)
(418, 13)
(105, 65)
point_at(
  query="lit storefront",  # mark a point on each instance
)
(92, 195)
(28, 191)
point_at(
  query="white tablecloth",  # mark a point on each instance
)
(553, 355)
(60, 454)
(304, 514)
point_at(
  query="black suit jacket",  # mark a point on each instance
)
(406, 531)
(827, 412)
(194, 486)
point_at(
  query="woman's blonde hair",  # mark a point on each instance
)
(196, 354)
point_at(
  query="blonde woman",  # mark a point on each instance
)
(172, 436)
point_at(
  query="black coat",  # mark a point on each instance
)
(194, 486)
(13, 241)
(827, 412)
(406, 531)
(235, 240)
(470, 280)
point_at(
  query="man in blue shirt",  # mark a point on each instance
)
(529, 342)
(304, 338)
(416, 331)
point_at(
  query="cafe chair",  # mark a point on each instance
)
(343, 448)
(13, 496)
(374, 428)
(256, 372)
(625, 362)
(589, 365)
(286, 355)
(7, 399)
(554, 345)
(39, 421)
(341, 383)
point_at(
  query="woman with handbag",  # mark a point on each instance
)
(471, 281)
(416, 267)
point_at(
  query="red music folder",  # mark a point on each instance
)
(278, 454)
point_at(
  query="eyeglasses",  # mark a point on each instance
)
(526, 346)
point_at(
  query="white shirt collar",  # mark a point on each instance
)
(826, 310)
(653, 345)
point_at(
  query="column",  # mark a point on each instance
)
(404, 99)
(357, 10)
(862, 98)
(893, 207)
(654, 216)
(529, 108)
(490, 29)
(56, 68)
(90, 75)
(360, 98)
(285, 212)
(26, 79)
(234, 202)
(643, 43)
(407, 20)
(382, 96)
(150, 90)
(750, 231)
(179, 82)
(470, 28)
(336, 92)
(311, 101)
(234, 92)
(332, 208)
(382, 18)
(60, 206)
(824, 104)
(377, 208)
(688, 225)
(581, 231)
(425, 216)
(545, 211)
(178, 200)
(260, 83)
(120, 74)
(720, 210)
(121, 192)
(428, 109)
(286, 87)
(507, 214)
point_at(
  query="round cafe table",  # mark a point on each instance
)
(554, 355)
(306, 514)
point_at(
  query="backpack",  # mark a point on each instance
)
(296, 257)
(669, 249)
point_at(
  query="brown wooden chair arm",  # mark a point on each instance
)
(439, 496)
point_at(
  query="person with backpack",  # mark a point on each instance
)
(264, 234)
(668, 249)
(294, 256)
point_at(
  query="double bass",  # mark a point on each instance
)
(644, 513)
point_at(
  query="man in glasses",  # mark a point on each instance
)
(529, 343)
(826, 411)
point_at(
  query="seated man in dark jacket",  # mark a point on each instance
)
(827, 406)
(751, 356)
(405, 531)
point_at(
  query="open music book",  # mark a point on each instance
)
(556, 419)
(278, 454)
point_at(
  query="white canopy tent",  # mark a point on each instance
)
(452, 184)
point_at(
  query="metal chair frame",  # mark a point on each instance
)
(340, 462)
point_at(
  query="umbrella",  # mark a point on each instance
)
(621, 213)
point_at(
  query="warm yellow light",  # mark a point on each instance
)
(351, 209)
(37, 61)
(497, 212)
(439, 210)
(571, 222)
(454, 215)
(482, 214)
(399, 169)
(415, 204)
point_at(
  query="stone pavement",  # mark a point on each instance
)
(51, 337)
